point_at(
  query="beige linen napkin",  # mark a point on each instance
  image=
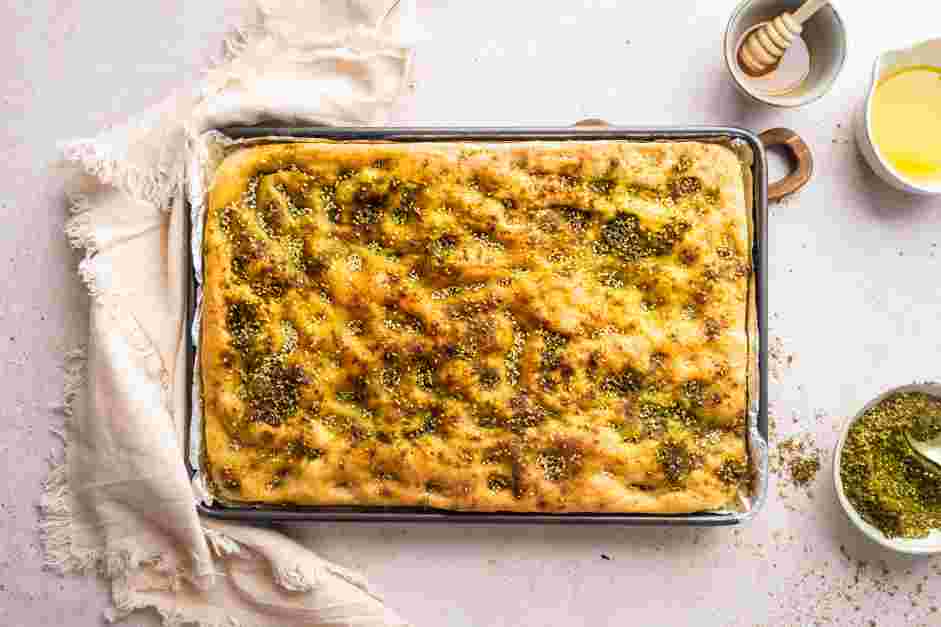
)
(121, 502)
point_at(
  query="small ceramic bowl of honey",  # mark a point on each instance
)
(808, 69)
(898, 125)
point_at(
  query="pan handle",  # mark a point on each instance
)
(801, 159)
(589, 122)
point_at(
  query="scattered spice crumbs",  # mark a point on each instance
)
(825, 594)
(795, 461)
(779, 361)
(797, 458)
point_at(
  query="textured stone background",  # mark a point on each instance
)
(854, 297)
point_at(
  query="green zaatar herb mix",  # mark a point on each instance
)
(889, 487)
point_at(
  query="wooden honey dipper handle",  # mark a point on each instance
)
(807, 9)
(764, 47)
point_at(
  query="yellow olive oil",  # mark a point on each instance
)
(906, 122)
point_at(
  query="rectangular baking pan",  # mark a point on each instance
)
(290, 513)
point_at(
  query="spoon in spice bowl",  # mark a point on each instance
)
(925, 442)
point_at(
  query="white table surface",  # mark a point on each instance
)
(854, 284)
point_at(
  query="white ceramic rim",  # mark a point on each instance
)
(907, 183)
(899, 545)
(730, 53)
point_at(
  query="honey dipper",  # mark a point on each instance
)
(764, 47)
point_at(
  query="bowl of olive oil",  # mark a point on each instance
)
(898, 126)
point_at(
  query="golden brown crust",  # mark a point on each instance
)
(540, 326)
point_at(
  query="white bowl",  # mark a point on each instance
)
(924, 53)
(824, 34)
(929, 545)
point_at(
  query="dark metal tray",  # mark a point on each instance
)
(592, 130)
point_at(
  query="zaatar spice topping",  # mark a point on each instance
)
(883, 480)
(734, 471)
(625, 237)
(675, 460)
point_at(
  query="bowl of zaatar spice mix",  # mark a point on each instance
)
(889, 491)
